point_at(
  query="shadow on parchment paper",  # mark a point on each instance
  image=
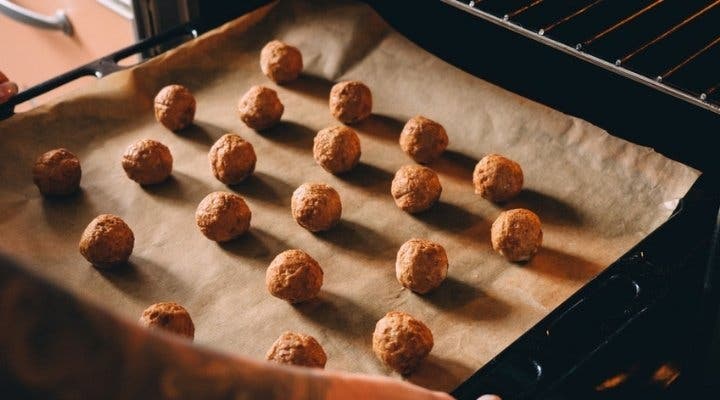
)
(457, 165)
(339, 314)
(255, 243)
(202, 133)
(264, 187)
(358, 238)
(439, 374)
(311, 86)
(381, 126)
(457, 297)
(143, 279)
(368, 177)
(290, 133)
(178, 186)
(557, 263)
(452, 218)
(69, 215)
(548, 208)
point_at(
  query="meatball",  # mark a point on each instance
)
(350, 101)
(222, 216)
(175, 107)
(147, 162)
(297, 349)
(415, 188)
(260, 108)
(232, 159)
(401, 341)
(316, 206)
(294, 276)
(337, 149)
(281, 62)
(107, 241)
(421, 265)
(497, 178)
(171, 317)
(517, 234)
(57, 173)
(423, 139)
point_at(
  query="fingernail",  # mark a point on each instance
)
(7, 90)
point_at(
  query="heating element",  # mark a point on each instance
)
(671, 45)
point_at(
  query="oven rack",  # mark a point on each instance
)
(669, 45)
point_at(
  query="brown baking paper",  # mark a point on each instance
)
(597, 195)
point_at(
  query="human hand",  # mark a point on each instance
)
(7, 89)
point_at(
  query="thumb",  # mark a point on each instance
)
(7, 90)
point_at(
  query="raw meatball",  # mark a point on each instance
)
(171, 317)
(260, 108)
(107, 241)
(232, 159)
(401, 341)
(421, 265)
(415, 188)
(281, 62)
(294, 276)
(517, 234)
(175, 107)
(222, 216)
(316, 206)
(423, 139)
(497, 178)
(147, 162)
(337, 149)
(350, 101)
(57, 173)
(297, 349)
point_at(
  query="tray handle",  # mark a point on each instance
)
(100, 67)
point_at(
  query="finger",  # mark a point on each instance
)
(489, 397)
(7, 90)
(3, 78)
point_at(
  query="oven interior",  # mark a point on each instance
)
(643, 70)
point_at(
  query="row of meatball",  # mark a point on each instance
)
(399, 340)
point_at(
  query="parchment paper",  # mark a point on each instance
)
(597, 195)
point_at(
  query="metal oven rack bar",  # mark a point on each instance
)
(97, 68)
(541, 19)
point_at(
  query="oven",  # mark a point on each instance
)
(648, 326)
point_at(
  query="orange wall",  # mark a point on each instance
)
(30, 55)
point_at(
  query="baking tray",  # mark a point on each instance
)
(612, 281)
